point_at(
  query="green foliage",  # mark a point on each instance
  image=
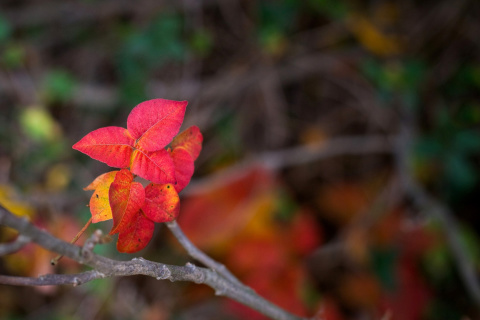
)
(58, 86)
(451, 148)
(384, 262)
(201, 42)
(398, 80)
(5, 30)
(145, 50)
(13, 56)
(331, 8)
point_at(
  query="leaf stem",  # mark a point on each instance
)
(55, 260)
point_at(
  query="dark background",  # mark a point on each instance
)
(341, 139)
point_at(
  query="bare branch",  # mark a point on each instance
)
(14, 246)
(299, 155)
(105, 267)
(53, 279)
(199, 255)
(438, 211)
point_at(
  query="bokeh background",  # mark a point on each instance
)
(340, 169)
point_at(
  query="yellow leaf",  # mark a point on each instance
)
(58, 177)
(99, 202)
(8, 201)
(372, 38)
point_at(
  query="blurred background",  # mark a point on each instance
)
(340, 169)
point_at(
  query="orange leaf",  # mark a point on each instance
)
(162, 203)
(99, 202)
(126, 199)
(191, 139)
(155, 166)
(111, 145)
(154, 123)
(136, 234)
(183, 167)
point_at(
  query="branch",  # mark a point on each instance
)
(53, 279)
(105, 267)
(14, 246)
(300, 155)
(199, 255)
(437, 211)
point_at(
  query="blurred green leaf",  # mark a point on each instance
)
(13, 55)
(437, 262)
(467, 141)
(384, 264)
(146, 50)
(58, 86)
(331, 8)
(38, 124)
(471, 242)
(5, 30)
(201, 42)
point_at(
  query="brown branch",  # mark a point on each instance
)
(105, 267)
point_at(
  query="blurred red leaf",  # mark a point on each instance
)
(305, 233)
(214, 216)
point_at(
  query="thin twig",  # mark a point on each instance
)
(299, 155)
(106, 267)
(55, 260)
(437, 211)
(14, 246)
(53, 279)
(199, 255)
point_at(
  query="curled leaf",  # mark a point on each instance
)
(126, 198)
(111, 145)
(136, 234)
(162, 203)
(191, 139)
(155, 166)
(99, 202)
(154, 123)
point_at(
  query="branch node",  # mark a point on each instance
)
(165, 273)
(100, 274)
(87, 249)
(139, 259)
(191, 267)
(76, 282)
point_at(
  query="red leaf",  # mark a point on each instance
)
(99, 202)
(126, 199)
(111, 145)
(155, 166)
(154, 123)
(162, 203)
(136, 234)
(183, 167)
(191, 139)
